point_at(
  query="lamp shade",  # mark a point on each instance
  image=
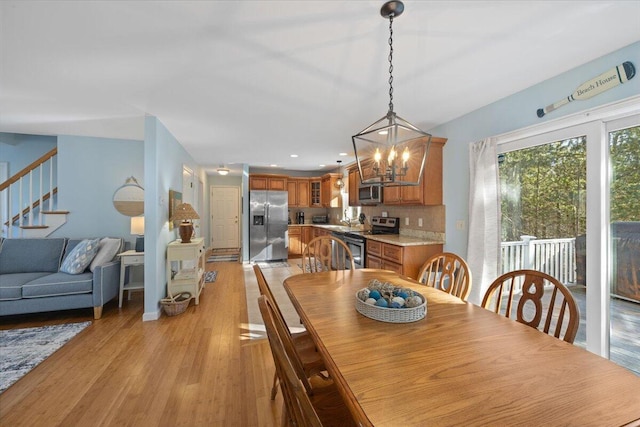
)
(184, 212)
(137, 225)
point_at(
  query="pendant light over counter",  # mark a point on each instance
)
(391, 152)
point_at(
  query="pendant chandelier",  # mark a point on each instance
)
(391, 152)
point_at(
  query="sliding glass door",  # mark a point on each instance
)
(624, 216)
(571, 207)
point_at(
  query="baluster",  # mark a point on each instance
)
(20, 189)
(30, 201)
(40, 190)
(51, 184)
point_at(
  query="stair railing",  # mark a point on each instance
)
(16, 185)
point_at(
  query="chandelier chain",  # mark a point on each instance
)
(391, 63)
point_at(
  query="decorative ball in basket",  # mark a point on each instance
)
(174, 305)
(385, 302)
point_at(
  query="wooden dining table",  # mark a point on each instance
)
(460, 365)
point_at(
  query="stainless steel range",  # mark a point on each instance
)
(356, 240)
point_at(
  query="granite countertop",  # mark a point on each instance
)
(393, 239)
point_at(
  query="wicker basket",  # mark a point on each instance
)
(392, 315)
(178, 304)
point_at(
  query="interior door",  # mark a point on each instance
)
(225, 217)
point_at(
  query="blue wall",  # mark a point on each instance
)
(21, 150)
(163, 163)
(90, 170)
(515, 112)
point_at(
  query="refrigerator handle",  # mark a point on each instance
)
(267, 219)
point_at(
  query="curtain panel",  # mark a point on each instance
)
(483, 246)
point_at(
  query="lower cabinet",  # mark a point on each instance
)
(295, 241)
(405, 260)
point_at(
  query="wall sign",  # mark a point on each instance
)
(605, 81)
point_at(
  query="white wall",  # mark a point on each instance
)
(515, 112)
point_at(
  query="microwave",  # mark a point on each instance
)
(370, 194)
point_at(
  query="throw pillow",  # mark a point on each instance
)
(108, 249)
(80, 257)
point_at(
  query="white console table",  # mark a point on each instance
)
(129, 259)
(189, 276)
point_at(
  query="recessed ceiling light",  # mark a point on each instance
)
(322, 166)
(294, 155)
(343, 154)
(274, 166)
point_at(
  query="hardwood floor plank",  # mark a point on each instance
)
(191, 369)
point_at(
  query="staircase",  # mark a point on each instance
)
(30, 197)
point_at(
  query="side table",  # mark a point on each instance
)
(128, 259)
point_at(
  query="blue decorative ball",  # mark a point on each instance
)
(382, 302)
(403, 294)
(375, 295)
(396, 304)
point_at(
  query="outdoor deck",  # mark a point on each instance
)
(625, 329)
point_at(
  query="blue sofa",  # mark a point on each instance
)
(31, 280)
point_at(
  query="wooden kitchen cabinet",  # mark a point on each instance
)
(405, 260)
(298, 189)
(330, 193)
(267, 182)
(429, 192)
(315, 189)
(295, 241)
(354, 184)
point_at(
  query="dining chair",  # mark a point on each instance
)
(447, 272)
(302, 342)
(307, 360)
(325, 253)
(324, 407)
(530, 295)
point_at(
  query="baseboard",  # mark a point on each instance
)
(155, 315)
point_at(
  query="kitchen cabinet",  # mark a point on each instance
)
(318, 231)
(298, 189)
(295, 241)
(307, 235)
(354, 183)
(330, 193)
(189, 275)
(405, 260)
(315, 189)
(429, 192)
(268, 182)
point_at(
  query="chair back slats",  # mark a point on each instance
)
(264, 288)
(325, 253)
(543, 302)
(298, 406)
(285, 336)
(447, 272)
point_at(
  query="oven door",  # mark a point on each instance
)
(357, 248)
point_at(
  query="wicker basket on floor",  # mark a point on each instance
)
(178, 304)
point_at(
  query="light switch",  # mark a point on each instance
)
(406, 221)
(419, 222)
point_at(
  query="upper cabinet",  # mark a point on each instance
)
(429, 192)
(354, 184)
(330, 193)
(298, 189)
(315, 188)
(268, 182)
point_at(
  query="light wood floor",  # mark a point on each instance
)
(191, 370)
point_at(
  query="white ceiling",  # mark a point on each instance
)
(255, 81)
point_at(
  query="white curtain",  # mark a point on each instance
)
(483, 247)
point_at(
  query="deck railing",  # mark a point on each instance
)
(556, 257)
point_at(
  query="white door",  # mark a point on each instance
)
(225, 217)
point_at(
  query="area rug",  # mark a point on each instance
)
(21, 350)
(274, 264)
(210, 276)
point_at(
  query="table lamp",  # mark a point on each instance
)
(184, 212)
(137, 228)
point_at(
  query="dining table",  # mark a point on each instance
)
(459, 365)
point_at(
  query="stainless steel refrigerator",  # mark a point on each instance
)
(268, 215)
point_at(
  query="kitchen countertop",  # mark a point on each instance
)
(393, 239)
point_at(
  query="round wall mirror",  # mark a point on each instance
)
(129, 198)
